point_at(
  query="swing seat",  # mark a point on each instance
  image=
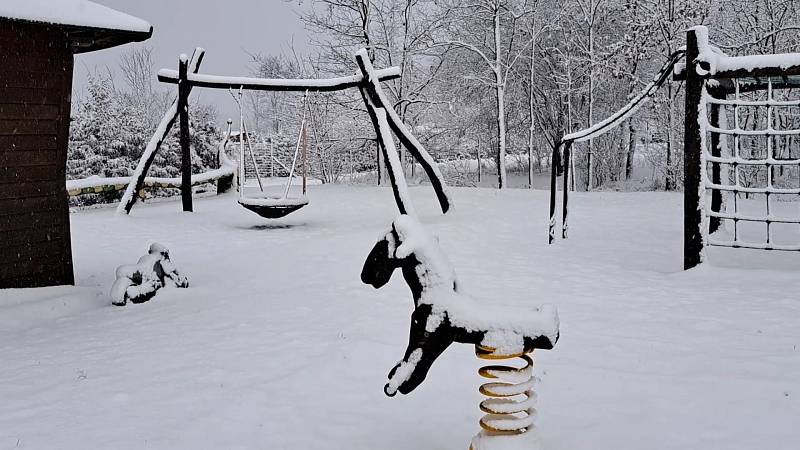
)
(272, 207)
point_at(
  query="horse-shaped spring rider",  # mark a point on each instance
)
(443, 315)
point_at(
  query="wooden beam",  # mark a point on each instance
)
(185, 140)
(716, 168)
(373, 111)
(784, 83)
(276, 84)
(167, 122)
(565, 195)
(553, 188)
(395, 167)
(761, 72)
(380, 168)
(375, 92)
(692, 142)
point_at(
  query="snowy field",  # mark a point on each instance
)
(278, 345)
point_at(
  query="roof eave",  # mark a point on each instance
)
(85, 39)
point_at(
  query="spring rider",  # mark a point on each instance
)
(443, 315)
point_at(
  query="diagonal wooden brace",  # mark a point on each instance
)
(134, 189)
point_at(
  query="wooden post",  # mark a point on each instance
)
(589, 174)
(480, 167)
(380, 161)
(385, 145)
(375, 125)
(394, 167)
(183, 111)
(572, 183)
(716, 168)
(693, 143)
(136, 188)
(553, 187)
(565, 194)
(372, 89)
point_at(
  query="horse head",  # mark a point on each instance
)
(409, 247)
(381, 263)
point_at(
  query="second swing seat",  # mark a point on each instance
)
(272, 207)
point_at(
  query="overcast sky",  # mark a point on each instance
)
(228, 30)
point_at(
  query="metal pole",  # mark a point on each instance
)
(253, 158)
(242, 169)
(297, 148)
(305, 157)
(271, 157)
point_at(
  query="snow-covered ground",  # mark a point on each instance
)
(278, 345)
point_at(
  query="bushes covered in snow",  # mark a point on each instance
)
(111, 126)
(138, 283)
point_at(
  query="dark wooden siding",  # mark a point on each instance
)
(35, 90)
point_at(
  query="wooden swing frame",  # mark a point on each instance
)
(368, 81)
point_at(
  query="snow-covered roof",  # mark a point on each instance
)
(89, 26)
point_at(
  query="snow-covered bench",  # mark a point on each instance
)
(442, 314)
(138, 283)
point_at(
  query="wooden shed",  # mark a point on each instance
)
(38, 39)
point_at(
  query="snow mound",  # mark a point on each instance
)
(139, 282)
(529, 440)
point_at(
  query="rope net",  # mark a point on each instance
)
(751, 168)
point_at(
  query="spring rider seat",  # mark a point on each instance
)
(443, 315)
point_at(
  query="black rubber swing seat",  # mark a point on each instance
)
(273, 208)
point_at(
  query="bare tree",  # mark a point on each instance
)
(490, 29)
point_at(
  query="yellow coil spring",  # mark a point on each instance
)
(510, 408)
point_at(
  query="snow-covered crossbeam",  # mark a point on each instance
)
(713, 63)
(782, 64)
(276, 84)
